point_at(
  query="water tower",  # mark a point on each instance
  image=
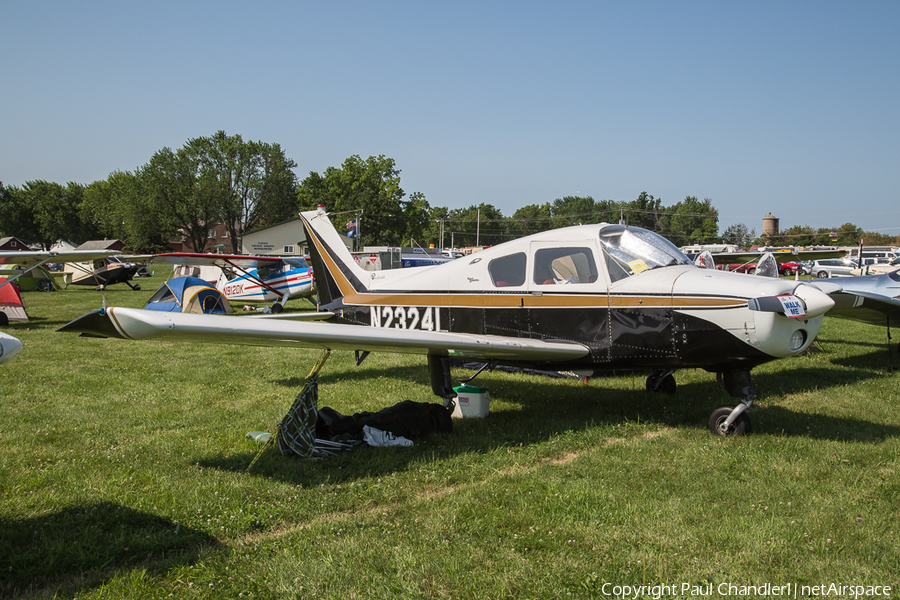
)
(770, 225)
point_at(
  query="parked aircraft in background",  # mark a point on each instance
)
(745, 262)
(586, 299)
(873, 299)
(251, 278)
(102, 272)
(29, 260)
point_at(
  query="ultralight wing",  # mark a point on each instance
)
(138, 324)
(731, 258)
(872, 299)
(28, 258)
(870, 308)
(193, 259)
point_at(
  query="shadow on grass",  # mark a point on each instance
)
(542, 409)
(81, 547)
(413, 373)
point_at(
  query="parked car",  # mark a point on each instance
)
(833, 267)
(789, 268)
(878, 267)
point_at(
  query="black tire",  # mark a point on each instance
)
(786, 272)
(277, 308)
(822, 275)
(740, 427)
(666, 384)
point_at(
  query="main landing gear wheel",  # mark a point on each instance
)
(741, 425)
(277, 308)
(661, 381)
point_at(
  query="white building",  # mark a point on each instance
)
(281, 239)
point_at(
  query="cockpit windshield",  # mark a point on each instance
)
(632, 250)
(296, 263)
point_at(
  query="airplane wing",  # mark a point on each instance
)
(194, 259)
(873, 299)
(138, 324)
(29, 258)
(730, 258)
(867, 307)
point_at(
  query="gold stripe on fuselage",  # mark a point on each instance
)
(488, 300)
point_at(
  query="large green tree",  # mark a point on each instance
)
(645, 211)
(692, 221)
(739, 235)
(477, 225)
(126, 206)
(171, 184)
(248, 184)
(44, 212)
(16, 217)
(368, 189)
(530, 219)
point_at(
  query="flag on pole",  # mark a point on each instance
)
(351, 224)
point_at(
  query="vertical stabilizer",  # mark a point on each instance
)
(336, 272)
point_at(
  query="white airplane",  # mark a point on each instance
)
(9, 347)
(29, 260)
(102, 272)
(587, 299)
(872, 299)
(252, 278)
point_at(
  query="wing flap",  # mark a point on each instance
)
(138, 324)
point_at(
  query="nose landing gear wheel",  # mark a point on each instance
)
(741, 425)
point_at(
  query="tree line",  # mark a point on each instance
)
(246, 185)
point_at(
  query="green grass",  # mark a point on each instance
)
(124, 475)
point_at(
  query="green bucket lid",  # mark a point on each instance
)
(469, 389)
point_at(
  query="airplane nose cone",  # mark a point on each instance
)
(9, 347)
(817, 302)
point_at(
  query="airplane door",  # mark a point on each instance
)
(569, 294)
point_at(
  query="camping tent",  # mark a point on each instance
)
(189, 295)
(11, 302)
(37, 279)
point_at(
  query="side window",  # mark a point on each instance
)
(508, 270)
(564, 265)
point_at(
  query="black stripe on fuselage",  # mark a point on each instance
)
(618, 338)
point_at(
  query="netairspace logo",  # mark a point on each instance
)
(767, 590)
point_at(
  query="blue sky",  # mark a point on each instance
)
(782, 107)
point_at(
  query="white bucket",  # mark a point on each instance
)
(471, 402)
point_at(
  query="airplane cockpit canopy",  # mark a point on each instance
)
(632, 250)
(295, 263)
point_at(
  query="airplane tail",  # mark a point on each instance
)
(336, 272)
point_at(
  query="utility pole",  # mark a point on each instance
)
(478, 229)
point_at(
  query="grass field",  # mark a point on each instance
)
(124, 476)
